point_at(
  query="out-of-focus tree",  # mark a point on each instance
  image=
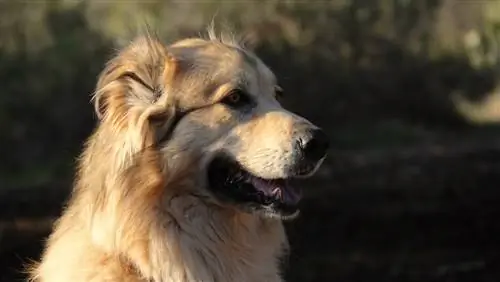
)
(385, 68)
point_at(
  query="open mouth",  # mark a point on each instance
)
(229, 181)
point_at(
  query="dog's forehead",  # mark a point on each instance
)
(261, 72)
(260, 78)
(206, 65)
(209, 59)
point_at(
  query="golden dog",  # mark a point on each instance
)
(186, 175)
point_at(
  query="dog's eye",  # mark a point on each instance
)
(236, 98)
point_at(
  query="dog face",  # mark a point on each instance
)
(215, 102)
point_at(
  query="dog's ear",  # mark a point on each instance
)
(137, 84)
(137, 77)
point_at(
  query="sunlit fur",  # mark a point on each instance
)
(140, 210)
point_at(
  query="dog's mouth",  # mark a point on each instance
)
(229, 181)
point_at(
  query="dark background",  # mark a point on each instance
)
(406, 89)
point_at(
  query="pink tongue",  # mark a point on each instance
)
(277, 188)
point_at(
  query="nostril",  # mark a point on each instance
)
(317, 146)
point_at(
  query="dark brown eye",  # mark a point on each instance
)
(236, 98)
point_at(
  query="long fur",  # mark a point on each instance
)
(134, 214)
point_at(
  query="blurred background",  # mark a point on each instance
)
(408, 91)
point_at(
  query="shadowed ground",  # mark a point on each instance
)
(421, 214)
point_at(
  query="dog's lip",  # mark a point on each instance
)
(308, 170)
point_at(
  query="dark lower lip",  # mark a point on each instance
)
(303, 171)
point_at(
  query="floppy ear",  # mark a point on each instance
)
(136, 85)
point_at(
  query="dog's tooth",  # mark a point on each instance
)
(276, 192)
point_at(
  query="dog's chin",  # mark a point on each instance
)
(231, 184)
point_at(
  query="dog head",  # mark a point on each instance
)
(217, 103)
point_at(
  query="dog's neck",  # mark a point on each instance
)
(188, 238)
(200, 242)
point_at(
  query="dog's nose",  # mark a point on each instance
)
(317, 146)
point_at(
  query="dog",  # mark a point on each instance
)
(186, 176)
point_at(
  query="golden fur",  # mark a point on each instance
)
(137, 212)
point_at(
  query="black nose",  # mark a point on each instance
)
(317, 146)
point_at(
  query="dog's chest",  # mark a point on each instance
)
(218, 249)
